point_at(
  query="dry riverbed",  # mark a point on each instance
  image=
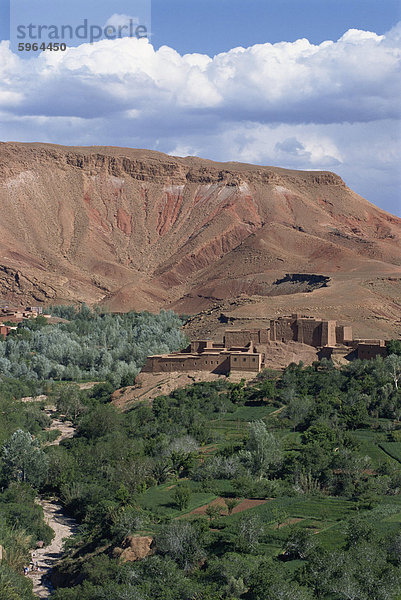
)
(63, 526)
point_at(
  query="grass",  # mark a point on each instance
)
(159, 499)
(231, 427)
(322, 509)
(370, 444)
(250, 413)
(393, 449)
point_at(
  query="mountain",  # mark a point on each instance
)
(137, 229)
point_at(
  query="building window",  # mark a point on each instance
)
(254, 360)
(244, 359)
(235, 360)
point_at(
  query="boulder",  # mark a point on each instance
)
(135, 548)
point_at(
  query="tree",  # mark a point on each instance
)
(237, 393)
(320, 434)
(359, 530)
(231, 503)
(181, 541)
(103, 420)
(262, 449)
(182, 496)
(213, 511)
(12, 585)
(394, 549)
(161, 469)
(300, 543)
(393, 364)
(297, 411)
(249, 531)
(394, 347)
(126, 521)
(271, 582)
(23, 459)
(181, 453)
(279, 515)
(266, 389)
(68, 400)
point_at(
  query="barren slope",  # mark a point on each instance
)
(137, 229)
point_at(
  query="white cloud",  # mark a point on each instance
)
(299, 105)
(118, 20)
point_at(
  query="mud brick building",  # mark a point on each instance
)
(17, 315)
(4, 330)
(367, 349)
(206, 355)
(242, 337)
(308, 330)
(245, 349)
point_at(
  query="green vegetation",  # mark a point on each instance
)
(288, 487)
(394, 347)
(393, 449)
(308, 488)
(23, 468)
(90, 346)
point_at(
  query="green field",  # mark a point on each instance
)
(393, 449)
(159, 499)
(371, 444)
(231, 427)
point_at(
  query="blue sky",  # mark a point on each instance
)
(328, 102)
(213, 26)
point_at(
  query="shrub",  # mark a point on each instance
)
(182, 496)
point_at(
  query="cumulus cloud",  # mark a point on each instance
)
(294, 104)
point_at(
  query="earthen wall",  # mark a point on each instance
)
(240, 338)
(328, 334)
(4, 330)
(343, 334)
(245, 362)
(309, 332)
(218, 363)
(283, 330)
(368, 351)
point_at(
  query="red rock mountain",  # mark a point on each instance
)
(136, 229)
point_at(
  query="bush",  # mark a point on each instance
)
(182, 496)
(180, 540)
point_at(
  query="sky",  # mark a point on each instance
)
(305, 84)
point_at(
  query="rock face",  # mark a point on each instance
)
(135, 229)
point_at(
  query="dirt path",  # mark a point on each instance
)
(65, 427)
(62, 525)
(46, 557)
(277, 412)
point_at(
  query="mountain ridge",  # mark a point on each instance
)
(137, 229)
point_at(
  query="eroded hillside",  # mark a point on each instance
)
(135, 229)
